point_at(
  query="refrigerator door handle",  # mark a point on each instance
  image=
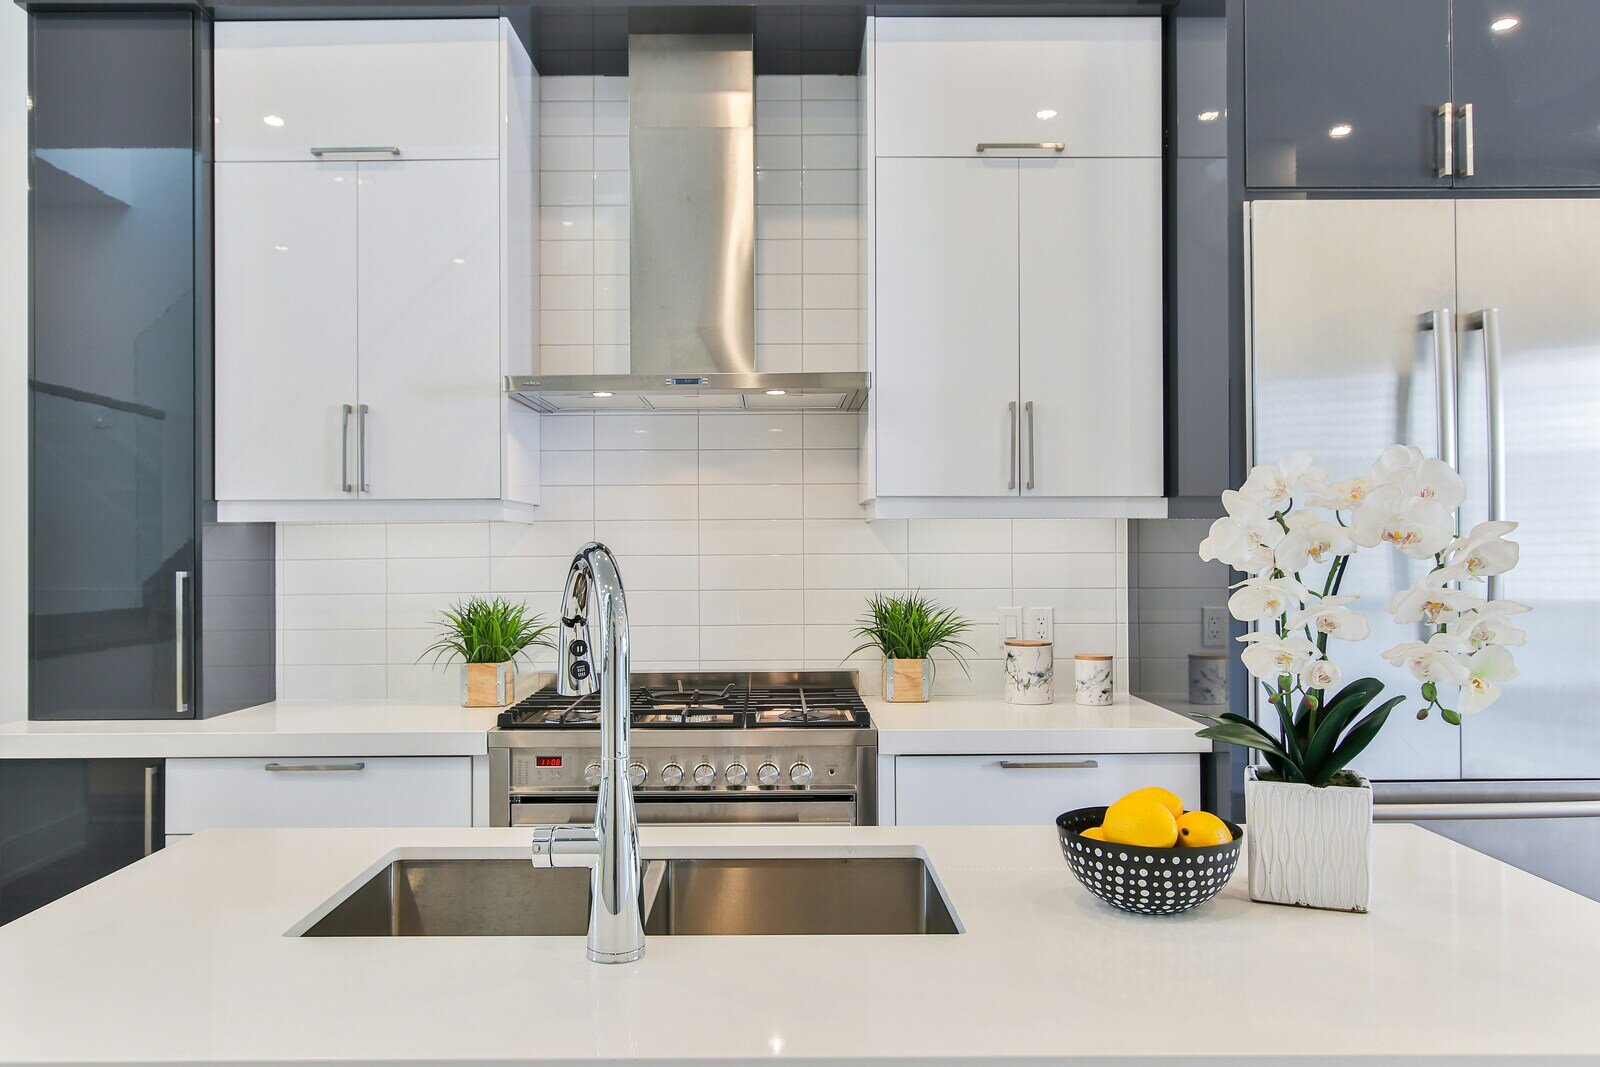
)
(1488, 320)
(1441, 323)
(1535, 809)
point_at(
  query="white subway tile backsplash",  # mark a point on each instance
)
(307, 682)
(752, 644)
(732, 537)
(654, 536)
(778, 87)
(751, 430)
(438, 539)
(751, 572)
(611, 118)
(831, 465)
(772, 466)
(354, 611)
(835, 536)
(960, 570)
(867, 572)
(778, 117)
(654, 467)
(777, 152)
(330, 542)
(750, 501)
(831, 257)
(1066, 535)
(453, 576)
(833, 502)
(608, 87)
(751, 607)
(566, 153)
(644, 502)
(329, 576)
(611, 153)
(828, 86)
(1078, 569)
(639, 432)
(537, 538)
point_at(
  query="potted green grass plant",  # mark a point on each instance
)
(487, 636)
(907, 629)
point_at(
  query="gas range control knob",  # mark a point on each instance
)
(672, 775)
(767, 774)
(800, 773)
(736, 774)
(636, 774)
(705, 775)
(591, 775)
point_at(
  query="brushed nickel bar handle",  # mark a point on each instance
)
(1494, 402)
(1546, 809)
(1041, 146)
(1444, 371)
(1050, 765)
(1028, 409)
(180, 590)
(1469, 153)
(149, 810)
(361, 449)
(356, 150)
(1446, 114)
(344, 450)
(315, 767)
(1012, 408)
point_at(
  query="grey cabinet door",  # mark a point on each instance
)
(1343, 95)
(1528, 69)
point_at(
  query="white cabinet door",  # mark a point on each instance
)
(285, 330)
(945, 368)
(1091, 327)
(429, 309)
(429, 87)
(945, 85)
(321, 791)
(1031, 789)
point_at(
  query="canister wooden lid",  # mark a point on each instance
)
(1091, 655)
(1015, 642)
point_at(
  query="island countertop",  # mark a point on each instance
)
(184, 958)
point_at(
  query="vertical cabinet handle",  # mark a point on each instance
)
(180, 593)
(1444, 376)
(1488, 320)
(344, 450)
(1468, 143)
(361, 448)
(1446, 116)
(149, 810)
(1028, 410)
(1012, 408)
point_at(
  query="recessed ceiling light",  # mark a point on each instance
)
(272, 120)
(776, 392)
(1505, 24)
(600, 393)
(1209, 116)
(280, 248)
(1047, 113)
(458, 261)
(1344, 129)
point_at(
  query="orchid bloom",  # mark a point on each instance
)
(1437, 481)
(1272, 486)
(1438, 660)
(1270, 657)
(1330, 616)
(1490, 626)
(1265, 598)
(1320, 674)
(1243, 539)
(1486, 668)
(1310, 539)
(1345, 495)
(1397, 465)
(1419, 528)
(1432, 600)
(1485, 550)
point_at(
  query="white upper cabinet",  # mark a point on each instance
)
(1014, 292)
(947, 85)
(429, 88)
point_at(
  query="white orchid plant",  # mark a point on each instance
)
(1407, 502)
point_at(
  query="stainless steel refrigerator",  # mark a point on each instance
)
(1470, 328)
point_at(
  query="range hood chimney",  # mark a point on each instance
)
(691, 99)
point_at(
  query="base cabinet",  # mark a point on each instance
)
(1029, 789)
(318, 791)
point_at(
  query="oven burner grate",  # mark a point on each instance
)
(677, 706)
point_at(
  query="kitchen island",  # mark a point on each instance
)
(188, 957)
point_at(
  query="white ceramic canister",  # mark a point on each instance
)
(1030, 672)
(1208, 677)
(1092, 672)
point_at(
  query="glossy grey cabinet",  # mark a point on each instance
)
(1344, 94)
(1529, 70)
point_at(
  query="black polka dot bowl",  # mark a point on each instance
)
(1150, 881)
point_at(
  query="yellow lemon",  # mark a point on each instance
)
(1168, 800)
(1199, 829)
(1095, 833)
(1141, 821)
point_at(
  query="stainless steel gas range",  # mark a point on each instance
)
(708, 747)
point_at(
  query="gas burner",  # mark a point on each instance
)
(799, 700)
(804, 716)
(685, 717)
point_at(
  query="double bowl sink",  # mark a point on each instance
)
(700, 896)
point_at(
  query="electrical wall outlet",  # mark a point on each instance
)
(1010, 625)
(1213, 627)
(1040, 624)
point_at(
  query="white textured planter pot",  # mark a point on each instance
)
(1311, 847)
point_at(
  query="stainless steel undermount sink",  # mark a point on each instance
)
(703, 896)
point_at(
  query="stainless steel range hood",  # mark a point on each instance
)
(692, 246)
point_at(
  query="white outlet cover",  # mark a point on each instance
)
(1040, 624)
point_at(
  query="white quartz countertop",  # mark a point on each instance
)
(183, 958)
(281, 728)
(961, 725)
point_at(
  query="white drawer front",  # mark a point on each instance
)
(1031, 789)
(330, 791)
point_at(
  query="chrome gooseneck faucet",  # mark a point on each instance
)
(594, 655)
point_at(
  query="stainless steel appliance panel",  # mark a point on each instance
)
(830, 810)
(1345, 361)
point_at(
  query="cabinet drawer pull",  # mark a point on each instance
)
(1468, 143)
(361, 448)
(1040, 146)
(344, 450)
(1050, 765)
(356, 150)
(1028, 409)
(1011, 408)
(316, 766)
(1446, 114)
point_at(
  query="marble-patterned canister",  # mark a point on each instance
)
(1208, 677)
(1030, 672)
(1092, 671)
